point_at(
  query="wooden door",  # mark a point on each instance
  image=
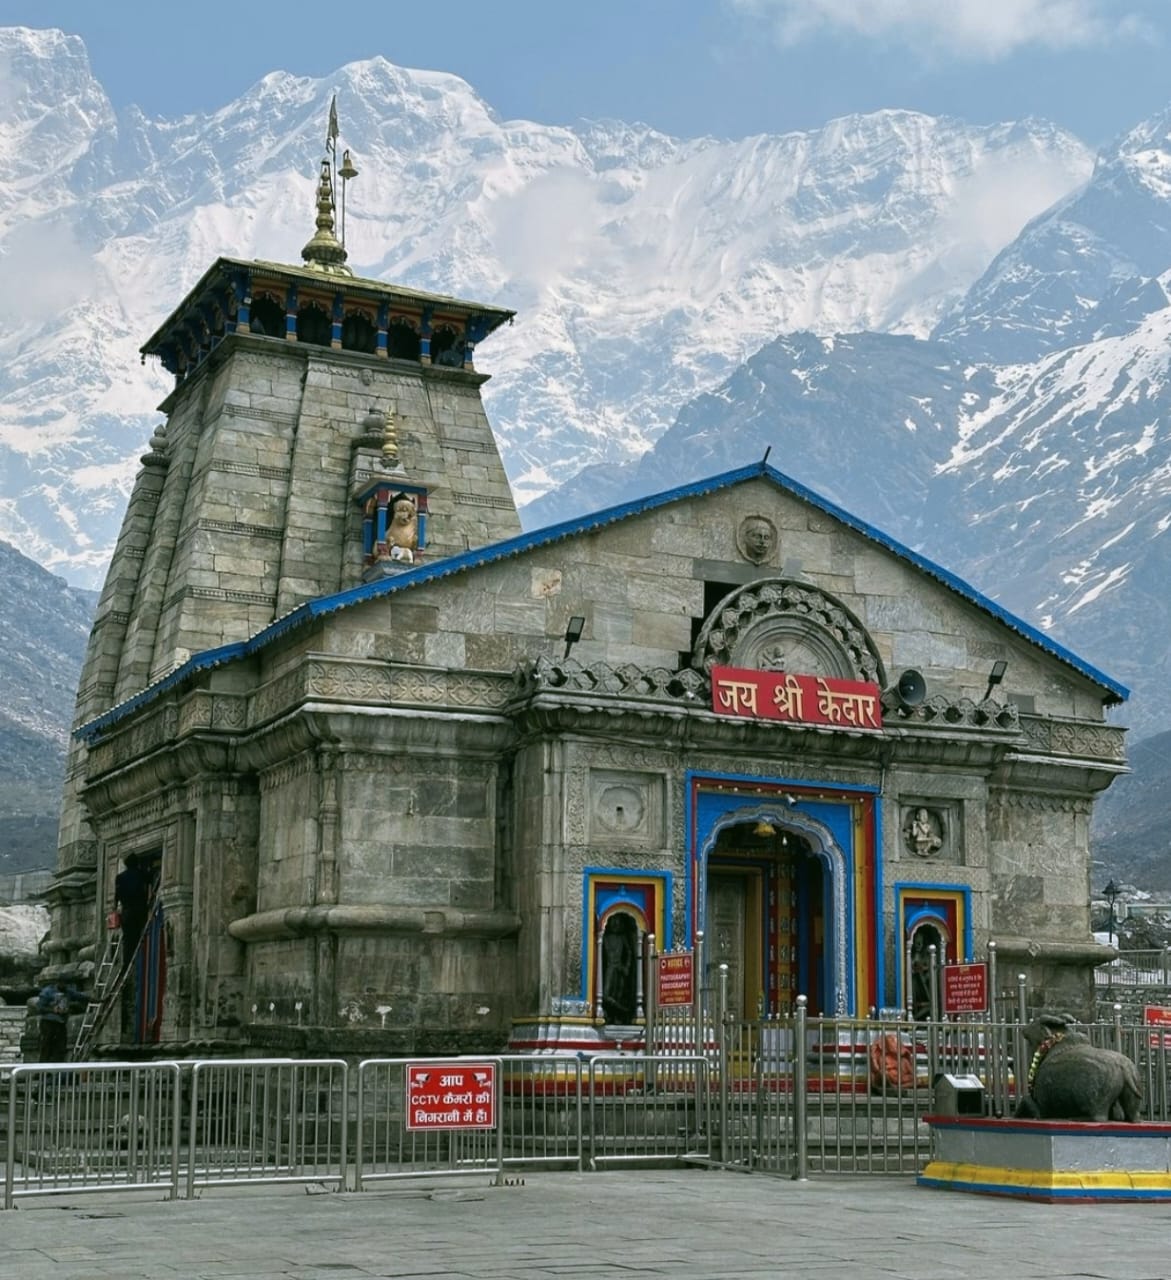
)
(727, 918)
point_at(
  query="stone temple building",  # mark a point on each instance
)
(409, 779)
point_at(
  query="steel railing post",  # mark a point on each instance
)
(10, 1140)
(498, 1103)
(1022, 998)
(650, 969)
(359, 1122)
(580, 1116)
(908, 981)
(933, 962)
(192, 1131)
(722, 1049)
(697, 977)
(800, 1091)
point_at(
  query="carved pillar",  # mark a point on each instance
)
(325, 889)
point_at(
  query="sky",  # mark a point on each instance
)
(731, 68)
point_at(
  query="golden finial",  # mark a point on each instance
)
(325, 252)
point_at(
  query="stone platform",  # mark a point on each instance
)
(1050, 1160)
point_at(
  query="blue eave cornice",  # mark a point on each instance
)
(469, 560)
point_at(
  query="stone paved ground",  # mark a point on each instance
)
(691, 1224)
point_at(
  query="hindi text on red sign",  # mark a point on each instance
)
(451, 1095)
(1155, 1015)
(965, 988)
(780, 695)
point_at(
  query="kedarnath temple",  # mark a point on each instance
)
(411, 780)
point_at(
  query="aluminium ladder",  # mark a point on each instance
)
(108, 982)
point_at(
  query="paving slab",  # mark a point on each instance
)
(597, 1226)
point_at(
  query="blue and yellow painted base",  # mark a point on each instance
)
(1050, 1161)
(1046, 1184)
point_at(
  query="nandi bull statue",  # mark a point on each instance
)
(1071, 1079)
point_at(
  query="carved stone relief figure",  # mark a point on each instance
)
(923, 832)
(757, 539)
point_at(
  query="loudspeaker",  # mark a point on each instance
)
(909, 691)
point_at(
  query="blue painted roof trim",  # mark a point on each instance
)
(450, 565)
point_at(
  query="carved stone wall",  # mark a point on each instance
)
(1039, 863)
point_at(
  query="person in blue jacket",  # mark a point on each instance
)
(54, 1005)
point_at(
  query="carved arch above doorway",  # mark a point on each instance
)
(780, 625)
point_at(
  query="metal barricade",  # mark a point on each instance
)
(267, 1120)
(386, 1148)
(867, 1091)
(644, 1110)
(541, 1110)
(92, 1127)
(1147, 969)
(756, 1124)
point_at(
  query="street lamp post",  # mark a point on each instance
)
(1111, 894)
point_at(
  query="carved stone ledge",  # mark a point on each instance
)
(300, 922)
(1070, 953)
(1083, 739)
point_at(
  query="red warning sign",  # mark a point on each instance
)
(1155, 1015)
(965, 988)
(451, 1095)
(676, 982)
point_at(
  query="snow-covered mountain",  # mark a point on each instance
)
(644, 268)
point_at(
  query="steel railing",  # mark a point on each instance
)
(266, 1120)
(92, 1127)
(791, 1096)
(1136, 969)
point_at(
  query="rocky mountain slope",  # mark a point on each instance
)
(44, 624)
(1132, 822)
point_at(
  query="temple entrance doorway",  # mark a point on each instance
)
(766, 920)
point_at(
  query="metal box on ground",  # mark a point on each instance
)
(958, 1095)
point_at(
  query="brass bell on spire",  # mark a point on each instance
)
(347, 169)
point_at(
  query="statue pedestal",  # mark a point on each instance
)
(1050, 1160)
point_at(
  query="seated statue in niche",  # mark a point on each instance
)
(402, 530)
(923, 833)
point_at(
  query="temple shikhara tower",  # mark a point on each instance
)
(401, 778)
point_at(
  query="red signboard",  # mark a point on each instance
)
(676, 979)
(451, 1095)
(1158, 1016)
(780, 695)
(965, 988)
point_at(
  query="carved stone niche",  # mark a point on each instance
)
(929, 831)
(625, 808)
